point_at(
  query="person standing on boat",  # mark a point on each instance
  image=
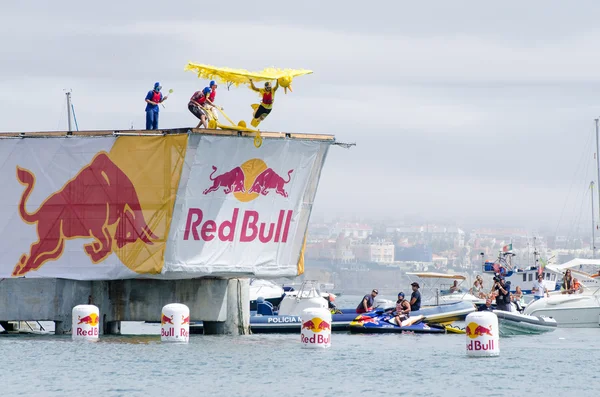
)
(502, 291)
(197, 106)
(153, 98)
(539, 290)
(367, 303)
(415, 298)
(402, 309)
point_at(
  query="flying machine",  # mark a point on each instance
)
(237, 77)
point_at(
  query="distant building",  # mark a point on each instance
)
(377, 251)
(417, 253)
(353, 230)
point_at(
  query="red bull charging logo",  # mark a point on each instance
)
(100, 203)
(246, 182)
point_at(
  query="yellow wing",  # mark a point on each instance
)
(242, 76)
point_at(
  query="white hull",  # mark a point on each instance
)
(569, 311)
(512, 324)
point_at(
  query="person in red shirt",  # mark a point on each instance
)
(266, 105)
(198, 105)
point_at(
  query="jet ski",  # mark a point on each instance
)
(383, 322)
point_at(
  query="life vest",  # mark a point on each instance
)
(199, 97)
(156, 96)
(268, 98)
(576, 286)
(212, 96)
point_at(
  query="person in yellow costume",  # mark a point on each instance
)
(266, 105)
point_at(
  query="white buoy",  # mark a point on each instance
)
(85, 322)
(482, 334)
(316, 328)
(175, 323)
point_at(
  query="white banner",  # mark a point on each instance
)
(242, 210)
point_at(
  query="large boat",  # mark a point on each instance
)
(523, 277)
(580, 309)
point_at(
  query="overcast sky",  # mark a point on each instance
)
(462, 111)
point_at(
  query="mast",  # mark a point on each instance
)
(593, 220)
(68, 93)
(598, 160)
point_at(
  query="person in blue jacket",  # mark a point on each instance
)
(153, 98)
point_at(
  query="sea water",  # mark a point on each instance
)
(563, 362)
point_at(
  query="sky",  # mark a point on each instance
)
(463, 112)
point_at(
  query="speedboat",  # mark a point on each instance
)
(580, 309)
(385, 323)
(288, 318)
(515, 323)
(436, 290)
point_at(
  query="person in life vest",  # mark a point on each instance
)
(213, 93)
(402, 311)
(266, 105)
(153, 98)
(198, 105)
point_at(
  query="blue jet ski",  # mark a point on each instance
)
(384, 322)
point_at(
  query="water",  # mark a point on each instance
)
(558, 363)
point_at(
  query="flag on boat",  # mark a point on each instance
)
(541, 266)
(507, 248)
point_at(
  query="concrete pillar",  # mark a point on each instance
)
(237, 321)
(113, 328)
(238, 307)
(62, 327)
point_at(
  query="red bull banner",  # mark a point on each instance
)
(88, 208)
(174, 206)
(242, 210)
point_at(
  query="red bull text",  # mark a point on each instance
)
(316, 338)
(478, 345)
(251, 228)
(171, 332)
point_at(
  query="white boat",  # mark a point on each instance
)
(520, 277)
(265, 289)
(436, 288)
(514, 323)
(576, 310)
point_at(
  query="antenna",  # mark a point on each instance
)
(68, 94)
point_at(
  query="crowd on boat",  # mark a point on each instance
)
(403, 307)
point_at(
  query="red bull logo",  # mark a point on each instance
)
(249, 181)
(166, 320)
(185, 320)
(316, 325)
(90, 320)
(246, 182)
(100, 203)
(474, 330)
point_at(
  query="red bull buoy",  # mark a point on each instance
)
(482, 334)
(315, 331)
(86, 320)
(175, 323)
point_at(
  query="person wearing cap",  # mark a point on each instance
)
(502, 292)
(153, 98)
(415, 297)
(367, 303)
(266, 105)
(197, 103)
(402, 309)
(211, 99)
